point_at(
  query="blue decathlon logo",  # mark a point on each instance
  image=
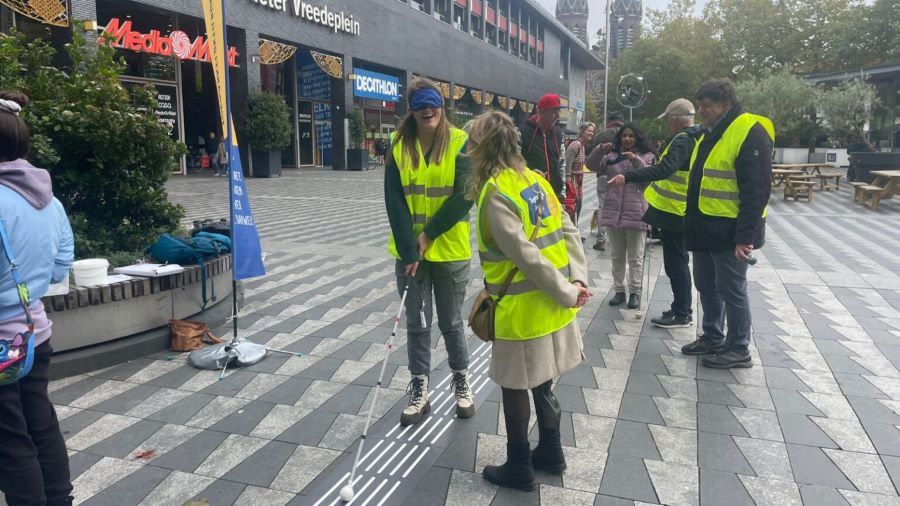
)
(534, 194)
(370, 84)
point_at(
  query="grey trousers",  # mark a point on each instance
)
(446, 283)
(721, 280)
(627, 247)
(601, 199)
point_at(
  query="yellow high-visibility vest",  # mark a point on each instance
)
(525, 312)
(670, 194)
(426, 190)
(719, 191)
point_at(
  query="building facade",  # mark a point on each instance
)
(884, 128)
(326, 57)
(624, 25)
(573, 14)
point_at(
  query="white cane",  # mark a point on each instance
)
(347, 492)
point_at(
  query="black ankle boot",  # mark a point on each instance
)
(516, 472)
(548, 455)
(617, 299)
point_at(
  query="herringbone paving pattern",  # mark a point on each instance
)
(816, 421)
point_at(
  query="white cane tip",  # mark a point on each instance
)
(347, 493)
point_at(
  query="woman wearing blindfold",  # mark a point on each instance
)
(425, 182)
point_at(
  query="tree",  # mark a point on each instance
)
(673, 61)
(267, 122)
(866, 35)
(357, 127)
(785, 99)
(108, 158)
(591, 114)
(762, 35)
(846, 109)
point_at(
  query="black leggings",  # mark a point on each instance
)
(517, 411)
(34, 465)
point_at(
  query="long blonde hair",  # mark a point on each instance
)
(407, 134)
(493, 146)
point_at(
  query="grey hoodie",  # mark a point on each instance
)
(32, 183)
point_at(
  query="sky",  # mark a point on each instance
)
(597, 16)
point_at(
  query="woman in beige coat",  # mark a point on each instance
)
(537, 333)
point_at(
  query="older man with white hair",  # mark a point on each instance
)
(667, 197)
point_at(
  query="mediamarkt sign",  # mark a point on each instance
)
(335, 21)
(176, 43)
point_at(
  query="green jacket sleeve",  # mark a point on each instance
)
(398, 215)
(456, 208)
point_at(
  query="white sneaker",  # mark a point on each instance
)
(465, 399)
(418, 405)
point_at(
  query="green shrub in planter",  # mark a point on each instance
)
(357, 156)
(267, 126)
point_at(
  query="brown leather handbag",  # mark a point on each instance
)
(188, 335)
(481, 317)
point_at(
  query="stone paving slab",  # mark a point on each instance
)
(816, 421)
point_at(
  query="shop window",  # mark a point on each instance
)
(420, 5)
(143, 64)
(503, 41)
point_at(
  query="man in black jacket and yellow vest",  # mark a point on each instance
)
(728, 191)
(667, 197)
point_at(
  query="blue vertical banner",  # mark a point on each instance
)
(246, 249)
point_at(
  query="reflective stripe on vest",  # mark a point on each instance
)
(426, 189)
(670, 194)
(719, 190)
(525, 312)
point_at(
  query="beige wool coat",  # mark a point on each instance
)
(526, 364)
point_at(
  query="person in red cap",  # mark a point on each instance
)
(541, 140)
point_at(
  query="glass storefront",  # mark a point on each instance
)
(313, 111)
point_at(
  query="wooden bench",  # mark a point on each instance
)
(871, 194)
(858, 194)
(798, 188)
(833, 184)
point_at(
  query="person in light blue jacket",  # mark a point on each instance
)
(34, 465)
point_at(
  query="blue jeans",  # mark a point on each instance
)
(721, 280)
(446, 281)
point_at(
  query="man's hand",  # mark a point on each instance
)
(424, 243)
(583, 294)
(617, 180)
(410, 269)
(606, 147)
(742, 252)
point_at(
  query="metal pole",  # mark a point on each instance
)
(606, 70)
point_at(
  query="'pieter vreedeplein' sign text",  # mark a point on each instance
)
(338, 22)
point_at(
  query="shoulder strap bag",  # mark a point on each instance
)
(481, 317)
(16, 353)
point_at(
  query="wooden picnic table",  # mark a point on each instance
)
(779, 175)
(798, 186)
(885, 185)
(808, 168)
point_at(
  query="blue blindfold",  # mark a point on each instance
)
(425, 98)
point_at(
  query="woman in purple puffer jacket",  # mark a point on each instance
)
(623, 210)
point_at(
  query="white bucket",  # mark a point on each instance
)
(90, 272)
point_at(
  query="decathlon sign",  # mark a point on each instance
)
(369, 84)
(177, 43)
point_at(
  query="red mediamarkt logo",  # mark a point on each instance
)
(177, 43)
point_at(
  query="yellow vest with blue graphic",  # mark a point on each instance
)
(426, 190)
(670, 194)
(525, 312)
(719, 191)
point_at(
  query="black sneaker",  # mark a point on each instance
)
(702, 346)
(600, 245)
(728, 360)
(634, 301)
(670, 320)
(618, 299)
